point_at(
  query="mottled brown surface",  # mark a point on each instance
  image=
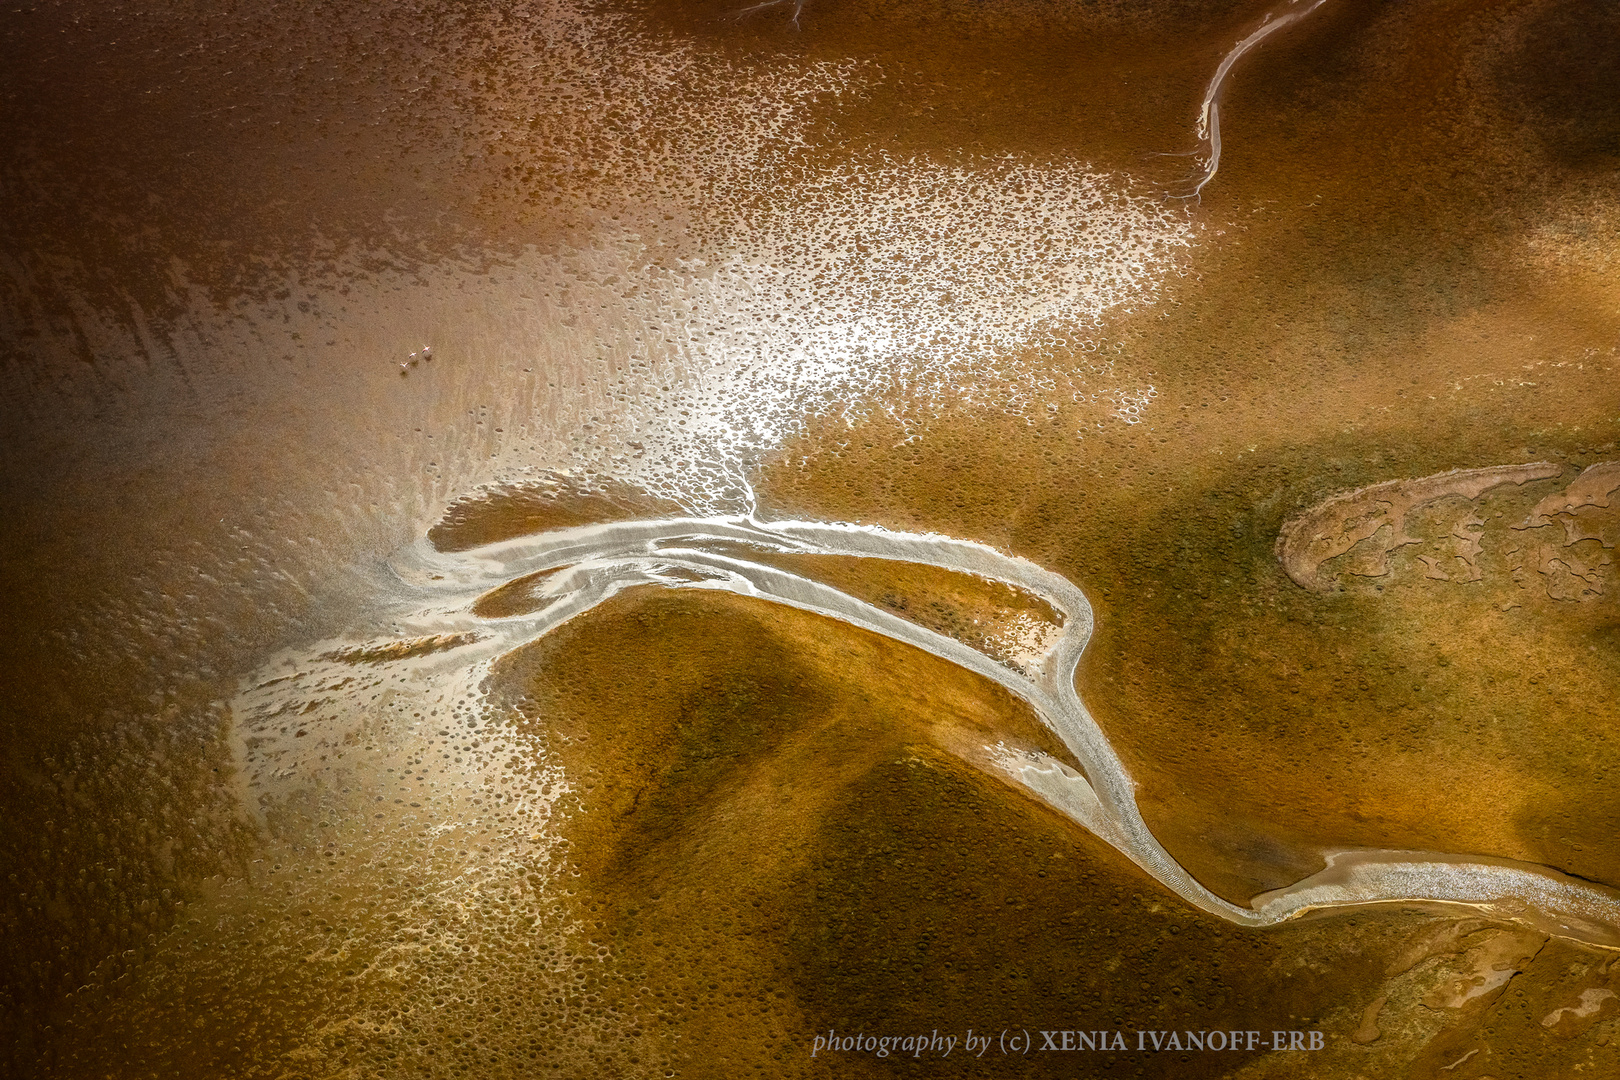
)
(1333, 344)
(227, 226)
(775, 842)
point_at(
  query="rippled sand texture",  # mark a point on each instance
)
(289, 289)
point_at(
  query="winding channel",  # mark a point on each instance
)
(1208, 128)
(591, 564)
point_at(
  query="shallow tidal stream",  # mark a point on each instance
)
(569, 540)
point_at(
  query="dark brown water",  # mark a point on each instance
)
(911, 265)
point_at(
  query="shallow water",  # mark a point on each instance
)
(290, 290)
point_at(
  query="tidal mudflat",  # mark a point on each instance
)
(312, 313)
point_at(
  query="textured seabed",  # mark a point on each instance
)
(312, 313)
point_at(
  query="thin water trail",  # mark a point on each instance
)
(1209, 110)
(439, 637)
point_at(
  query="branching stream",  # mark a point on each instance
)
(591, 564)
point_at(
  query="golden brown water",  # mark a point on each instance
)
(687, 832)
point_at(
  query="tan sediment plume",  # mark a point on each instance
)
(1335, 526)
(401, 650)
(1368, 1031)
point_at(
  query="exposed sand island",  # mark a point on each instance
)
(1334, 527)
